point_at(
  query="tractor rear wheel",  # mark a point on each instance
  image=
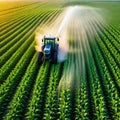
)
(40, 57)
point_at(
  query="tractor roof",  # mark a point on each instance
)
(49, 38)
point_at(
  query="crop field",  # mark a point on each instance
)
(83, 86)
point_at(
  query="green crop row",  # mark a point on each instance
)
(19, 34)
(113, 51)
(11, 20)
(111, 94)
(64, 96)
(36, 105)
(16, 26)
(11, 16)
(18, 104)
(81, 109)
(7, 27)
(99, 108)
(113, 66)
(115, 33)
(51, 104)
(6, 68)
(109, 35)
(13, 25)
(64, 106)
(12, 81)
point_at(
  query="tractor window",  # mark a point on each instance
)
(52, 42)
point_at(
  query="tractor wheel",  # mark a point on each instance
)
(55, 58)
(40, 57)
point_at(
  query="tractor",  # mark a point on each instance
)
(49, 50)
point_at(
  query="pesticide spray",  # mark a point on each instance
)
(73, 26)
(79, 22)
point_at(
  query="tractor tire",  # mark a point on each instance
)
(55, 58)
(40, 57)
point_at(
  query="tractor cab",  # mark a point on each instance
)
(49, 43)
(47, 51)
(50, 40)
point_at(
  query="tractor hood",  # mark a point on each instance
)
(47, 49)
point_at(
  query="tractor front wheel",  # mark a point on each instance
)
(40, 57)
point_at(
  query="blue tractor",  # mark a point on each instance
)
(49, 50)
